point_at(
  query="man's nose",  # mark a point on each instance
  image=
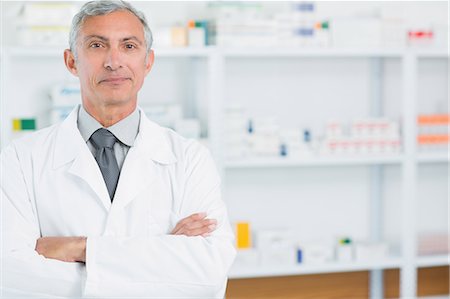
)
(113, 60)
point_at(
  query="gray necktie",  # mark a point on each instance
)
(103, 141)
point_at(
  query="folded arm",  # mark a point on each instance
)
(73, 249)
(23, 269)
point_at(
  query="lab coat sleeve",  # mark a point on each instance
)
(24, 271)
(169, 266)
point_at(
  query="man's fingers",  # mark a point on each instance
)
(198, 231)
(193, 217)
(196, 228)
(183, 229)
(199, 224)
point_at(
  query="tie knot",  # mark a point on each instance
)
(103, 138)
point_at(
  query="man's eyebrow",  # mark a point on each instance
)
(94, 36)
(105, 39)
(132, 38)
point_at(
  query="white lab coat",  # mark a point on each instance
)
(51, 186)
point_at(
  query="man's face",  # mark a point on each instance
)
(111, 62)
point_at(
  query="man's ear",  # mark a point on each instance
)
(69, 60)
(150, 60)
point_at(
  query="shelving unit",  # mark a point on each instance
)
(314, 161)
(389, 263)
(408, 160)
(335, 267)
(250, 52)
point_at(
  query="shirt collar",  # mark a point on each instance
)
(125, 130)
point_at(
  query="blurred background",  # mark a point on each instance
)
(329, 123)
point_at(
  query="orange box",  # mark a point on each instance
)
(243, 235)
(433, 119)
(433, 139)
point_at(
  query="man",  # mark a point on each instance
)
(107, 203)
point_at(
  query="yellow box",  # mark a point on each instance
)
(243, 235)
(17, 124)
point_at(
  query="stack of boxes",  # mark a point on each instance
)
(366, 136)
(23, 126)
(45, 24)
(263, 137)
(248, 24)
(196, 33)
(433, 132)
(279, 247)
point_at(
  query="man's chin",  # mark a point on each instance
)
(116, 100)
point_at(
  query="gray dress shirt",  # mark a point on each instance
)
(125, 131)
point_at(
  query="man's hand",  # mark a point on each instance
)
(195, 225)
(66, 249)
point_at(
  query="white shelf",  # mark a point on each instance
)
(58, 51)
(311, 52)
(237, 271)
(433, 260)
(184, 52)
(431, 52)
(247, 52)
(313, 161)
(331, 52)
(438, 157)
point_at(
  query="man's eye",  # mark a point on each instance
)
(96, 45)
(130, 46)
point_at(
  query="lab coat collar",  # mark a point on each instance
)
(151, 138)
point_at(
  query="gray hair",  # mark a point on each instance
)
(104, 7)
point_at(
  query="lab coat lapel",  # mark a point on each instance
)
(86, 168)
(70, 147)
(136, 175)
(143, 163)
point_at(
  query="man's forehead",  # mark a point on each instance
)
(112, 25)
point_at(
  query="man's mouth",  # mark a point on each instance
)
(114, 80)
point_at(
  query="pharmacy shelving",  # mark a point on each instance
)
(344, 160)
(330, 267)
(20, 51)
(327, 52)
(335, 160)
(239, 272)
(33, 51)
(311, 52)
(408, 161)
(185, 52)
(217, 59)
